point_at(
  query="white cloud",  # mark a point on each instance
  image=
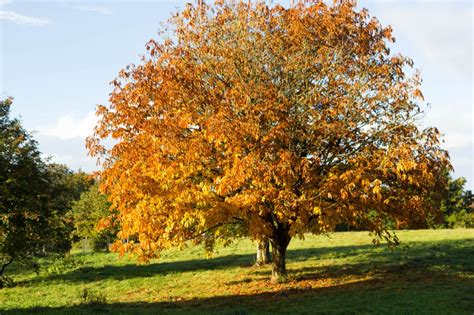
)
(23, 19)
(438, 35)
(5, 2)
(95, 9)
(440, 31)
(457, 141)
(71, 152)
(69, 127)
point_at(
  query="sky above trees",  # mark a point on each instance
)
(58, 57)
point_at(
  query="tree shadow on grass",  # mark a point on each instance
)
(435, 258)
(133, 270)
(373, 296)
(441, 260)
(424, 278)
(454, 255)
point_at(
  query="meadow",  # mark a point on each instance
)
(432, 272)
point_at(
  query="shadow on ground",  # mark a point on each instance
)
(452, 255)
(425, 278)
(132, 270)
(368, 296)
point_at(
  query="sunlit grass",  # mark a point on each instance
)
(431, 273)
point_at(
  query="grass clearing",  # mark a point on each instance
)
(431, 273)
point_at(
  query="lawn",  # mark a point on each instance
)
(343, 273)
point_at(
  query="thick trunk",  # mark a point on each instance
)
(279, 263)
(263, 253)
(280, 241)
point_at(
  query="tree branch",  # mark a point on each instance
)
(4, 266)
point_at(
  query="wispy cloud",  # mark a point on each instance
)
(23, 19)
(69, 127)
(64, 141)
(20, 18)
(95, 9)
(441, 31)
(71, 152)
(4, 2)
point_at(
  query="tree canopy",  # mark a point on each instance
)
(285, 119)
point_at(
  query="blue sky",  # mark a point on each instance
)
(58, 57)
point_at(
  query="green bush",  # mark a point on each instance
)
(462, 219)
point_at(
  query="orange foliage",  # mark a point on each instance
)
(286, 120)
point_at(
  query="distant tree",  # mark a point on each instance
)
(457, 204)
(31, 217)
(286, 120)
(468, 200)
(454, 200)
(64, 187)
(89, 213)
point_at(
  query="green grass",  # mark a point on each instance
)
(431, 273)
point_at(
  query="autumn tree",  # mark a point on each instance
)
(285, 119)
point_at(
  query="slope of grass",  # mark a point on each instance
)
(431, 273)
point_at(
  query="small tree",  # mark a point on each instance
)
(286, 120)
(64, 188)
(88, 212)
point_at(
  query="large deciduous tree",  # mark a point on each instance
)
(286, 119)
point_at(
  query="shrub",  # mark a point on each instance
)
(462, 219)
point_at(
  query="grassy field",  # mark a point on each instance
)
(432, 273)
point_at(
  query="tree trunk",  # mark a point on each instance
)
(263, 253)
(279, 263)
(4, 266)
(280, 241)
